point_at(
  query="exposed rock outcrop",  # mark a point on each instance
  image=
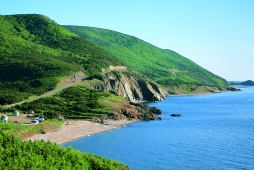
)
(136, 111)
(74, 77)
(233, 89)
(176, 115)
(130, 87)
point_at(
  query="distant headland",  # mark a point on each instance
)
(244, 83)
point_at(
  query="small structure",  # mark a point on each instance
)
(15, 113)
(4, 118)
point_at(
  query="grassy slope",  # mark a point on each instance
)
(22, 130)
(164, 66)
(17, 154)
(77, 102)
(35, 52)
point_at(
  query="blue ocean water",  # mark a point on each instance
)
(215, 132)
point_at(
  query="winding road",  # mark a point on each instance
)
(72, 80)
(75, 81)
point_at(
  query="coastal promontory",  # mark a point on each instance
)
(247, 83)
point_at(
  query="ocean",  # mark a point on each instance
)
(216, 131)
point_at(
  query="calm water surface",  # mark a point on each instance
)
(215, 132)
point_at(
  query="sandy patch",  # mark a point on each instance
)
(72, 130)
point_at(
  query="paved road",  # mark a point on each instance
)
(74, 82)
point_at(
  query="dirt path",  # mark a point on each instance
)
(71, 81)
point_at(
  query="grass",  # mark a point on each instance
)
(76, 102)
(95, 81)
(111, 102)
(51, 124)
(192, 89)
(23, 130)
(18, 129)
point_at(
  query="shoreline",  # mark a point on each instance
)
(204, 93)
(76, 129)
(194, 94)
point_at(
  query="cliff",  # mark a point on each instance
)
(130, 87)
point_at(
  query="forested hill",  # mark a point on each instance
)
(35, 52)
(166, 67)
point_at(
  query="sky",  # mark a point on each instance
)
(216, 34)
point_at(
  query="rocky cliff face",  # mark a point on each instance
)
(130, 87)
(136, 111)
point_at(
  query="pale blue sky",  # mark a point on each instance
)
(216, 34)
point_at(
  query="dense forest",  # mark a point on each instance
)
(35, 53)
(17, 154)
(166, 67)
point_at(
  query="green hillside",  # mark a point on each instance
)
(35, 52)
(77, 102)
(166, 67)
(17, 154)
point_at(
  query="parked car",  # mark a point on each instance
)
(35, 122)
(40, 119)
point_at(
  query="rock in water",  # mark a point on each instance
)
(233, 89)
(176, 115)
